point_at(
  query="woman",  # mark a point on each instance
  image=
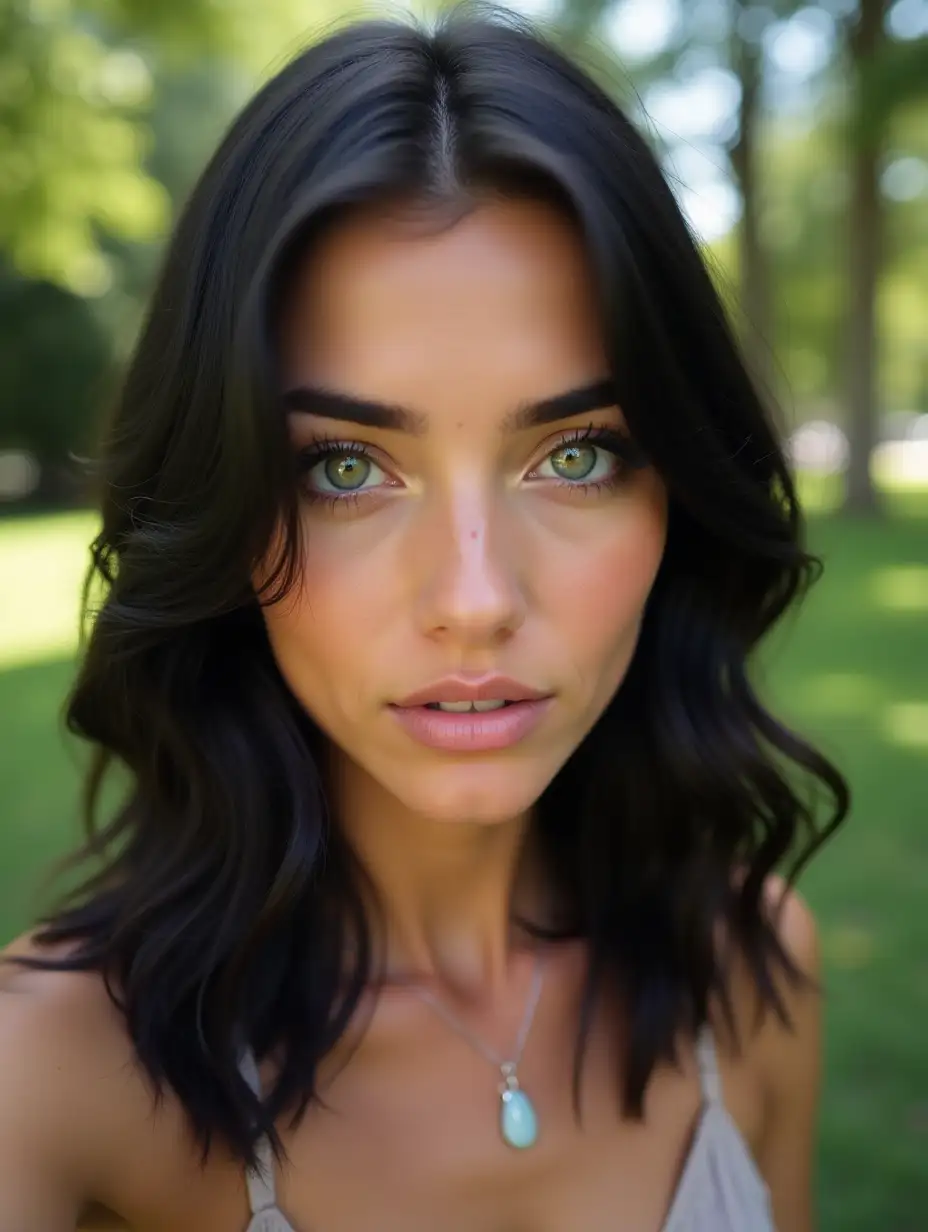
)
(440, 520)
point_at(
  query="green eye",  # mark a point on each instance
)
(346, 472)
(574, 461)
(331, 470)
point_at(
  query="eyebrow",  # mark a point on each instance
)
(334, 404)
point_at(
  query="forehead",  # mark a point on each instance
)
(389, 305)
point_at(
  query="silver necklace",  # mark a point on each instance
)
(518, 1121)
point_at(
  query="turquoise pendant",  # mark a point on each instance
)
(517, 1120)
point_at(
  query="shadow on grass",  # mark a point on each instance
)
(39, 784)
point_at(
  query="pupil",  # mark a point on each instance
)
(574, 461)
(346, 471)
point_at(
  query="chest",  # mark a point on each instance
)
(415, 1145)
(453, 1171)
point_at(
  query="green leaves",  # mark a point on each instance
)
(72, 145)
(78, 79)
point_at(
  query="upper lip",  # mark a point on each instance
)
(490, 688)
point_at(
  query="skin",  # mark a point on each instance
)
(467, 553)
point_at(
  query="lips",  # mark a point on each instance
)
(474, 731)
(471, 730)
(459, 689)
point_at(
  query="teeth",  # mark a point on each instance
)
(465, 707)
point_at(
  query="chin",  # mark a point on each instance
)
(482, 793)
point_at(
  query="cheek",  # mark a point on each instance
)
(319, 632)
(599, 588)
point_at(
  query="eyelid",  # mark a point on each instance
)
(322, 444)
(609, 436)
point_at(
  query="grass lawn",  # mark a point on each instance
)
(852, 673)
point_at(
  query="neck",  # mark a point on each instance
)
(447, 892)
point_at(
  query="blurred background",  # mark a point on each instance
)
(796, 137)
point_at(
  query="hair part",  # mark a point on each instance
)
(221, 901)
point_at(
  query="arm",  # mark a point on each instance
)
(37, 1191)
(790, 1072)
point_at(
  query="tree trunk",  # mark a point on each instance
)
(865, 234)
(754, 280)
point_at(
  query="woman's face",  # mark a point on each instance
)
(451, 534)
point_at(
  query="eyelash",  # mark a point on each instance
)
(609, 439)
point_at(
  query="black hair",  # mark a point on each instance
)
(220, 900)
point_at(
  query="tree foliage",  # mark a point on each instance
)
(53, 356)
(817, 286)
(72, 145)
(78, 80)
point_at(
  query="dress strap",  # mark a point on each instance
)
(707, 1059)
(260, 1181)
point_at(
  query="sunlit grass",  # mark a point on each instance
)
(852, 674)
(907, 723)
(837, 693)
(42, 562)
(901, 587)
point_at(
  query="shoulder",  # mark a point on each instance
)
(66, 1009)
(795, 928)
(760, 1030)
(63, 1058)
(794, 923)
(77, 1104)
(783, 1058)
(788, 1053)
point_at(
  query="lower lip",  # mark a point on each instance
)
(474, 731)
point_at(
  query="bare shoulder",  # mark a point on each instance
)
(795, 924)
(760, 1030)
(63, 1058)
(783, 1059)
(788, 1053)
(67, 1009)
(77, 1110)
(797, 931)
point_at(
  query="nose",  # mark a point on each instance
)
(470, 591)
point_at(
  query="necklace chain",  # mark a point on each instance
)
(507, 1066)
